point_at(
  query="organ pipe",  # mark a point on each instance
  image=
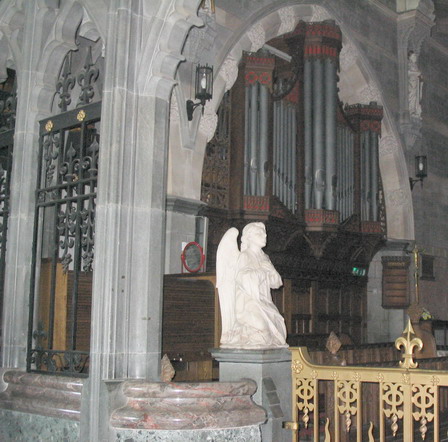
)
(330, 145)
(308, 133)
(318, 131)
(374, 175)
(293, 160)
(247, 141)
(263, 132)
(330, 133)
(254, 139)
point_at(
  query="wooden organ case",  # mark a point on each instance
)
(287, 152)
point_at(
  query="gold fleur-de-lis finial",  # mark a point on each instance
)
(408, 340)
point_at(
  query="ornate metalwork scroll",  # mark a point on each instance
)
(66, 83)
(409, 400)
(423, 401)
(347, 394)
(86, 79)
(393, 396)
(306, 396)
(81, 82)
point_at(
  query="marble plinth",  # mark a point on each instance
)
(186, 407)
(52, 396)
(271, 370)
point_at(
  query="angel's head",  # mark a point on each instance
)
(254, 236)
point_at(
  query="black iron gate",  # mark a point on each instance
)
(63, 246)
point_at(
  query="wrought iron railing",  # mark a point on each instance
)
(408, 402)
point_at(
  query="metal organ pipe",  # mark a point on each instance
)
(330, 133)
(345, 172)
(247, 141)
(263, 133)
(293, 159)
(374, 175)
(341, 165)
(285, 152)
(274, 148)
(289, 163)
(290, 159)
(366, 166)
(351, 172)
(285, 127)
(340, 187)
(308, 135)
(281, 153)
(254, 140)
(318, 131)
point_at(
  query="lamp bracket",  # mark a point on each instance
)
(413, 181)
(192, 106)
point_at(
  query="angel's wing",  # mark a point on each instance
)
(226, 260)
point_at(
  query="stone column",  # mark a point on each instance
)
(23, 185)
(130, 214)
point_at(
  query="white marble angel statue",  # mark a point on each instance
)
(250, 320)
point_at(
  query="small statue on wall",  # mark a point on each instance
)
(250, 320)
(415, 86)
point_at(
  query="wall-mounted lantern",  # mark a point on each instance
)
(421, 170)
(203, 89)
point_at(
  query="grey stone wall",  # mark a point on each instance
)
(23, 427)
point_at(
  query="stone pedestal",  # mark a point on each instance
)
(271, 370)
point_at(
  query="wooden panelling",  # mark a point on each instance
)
(60, 302)
(395, 281)
(188, 318)
(83, 309)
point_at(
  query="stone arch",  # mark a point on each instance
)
(276, 20)
(71, 21)
(11, 30)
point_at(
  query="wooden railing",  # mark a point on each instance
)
(329, 400)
